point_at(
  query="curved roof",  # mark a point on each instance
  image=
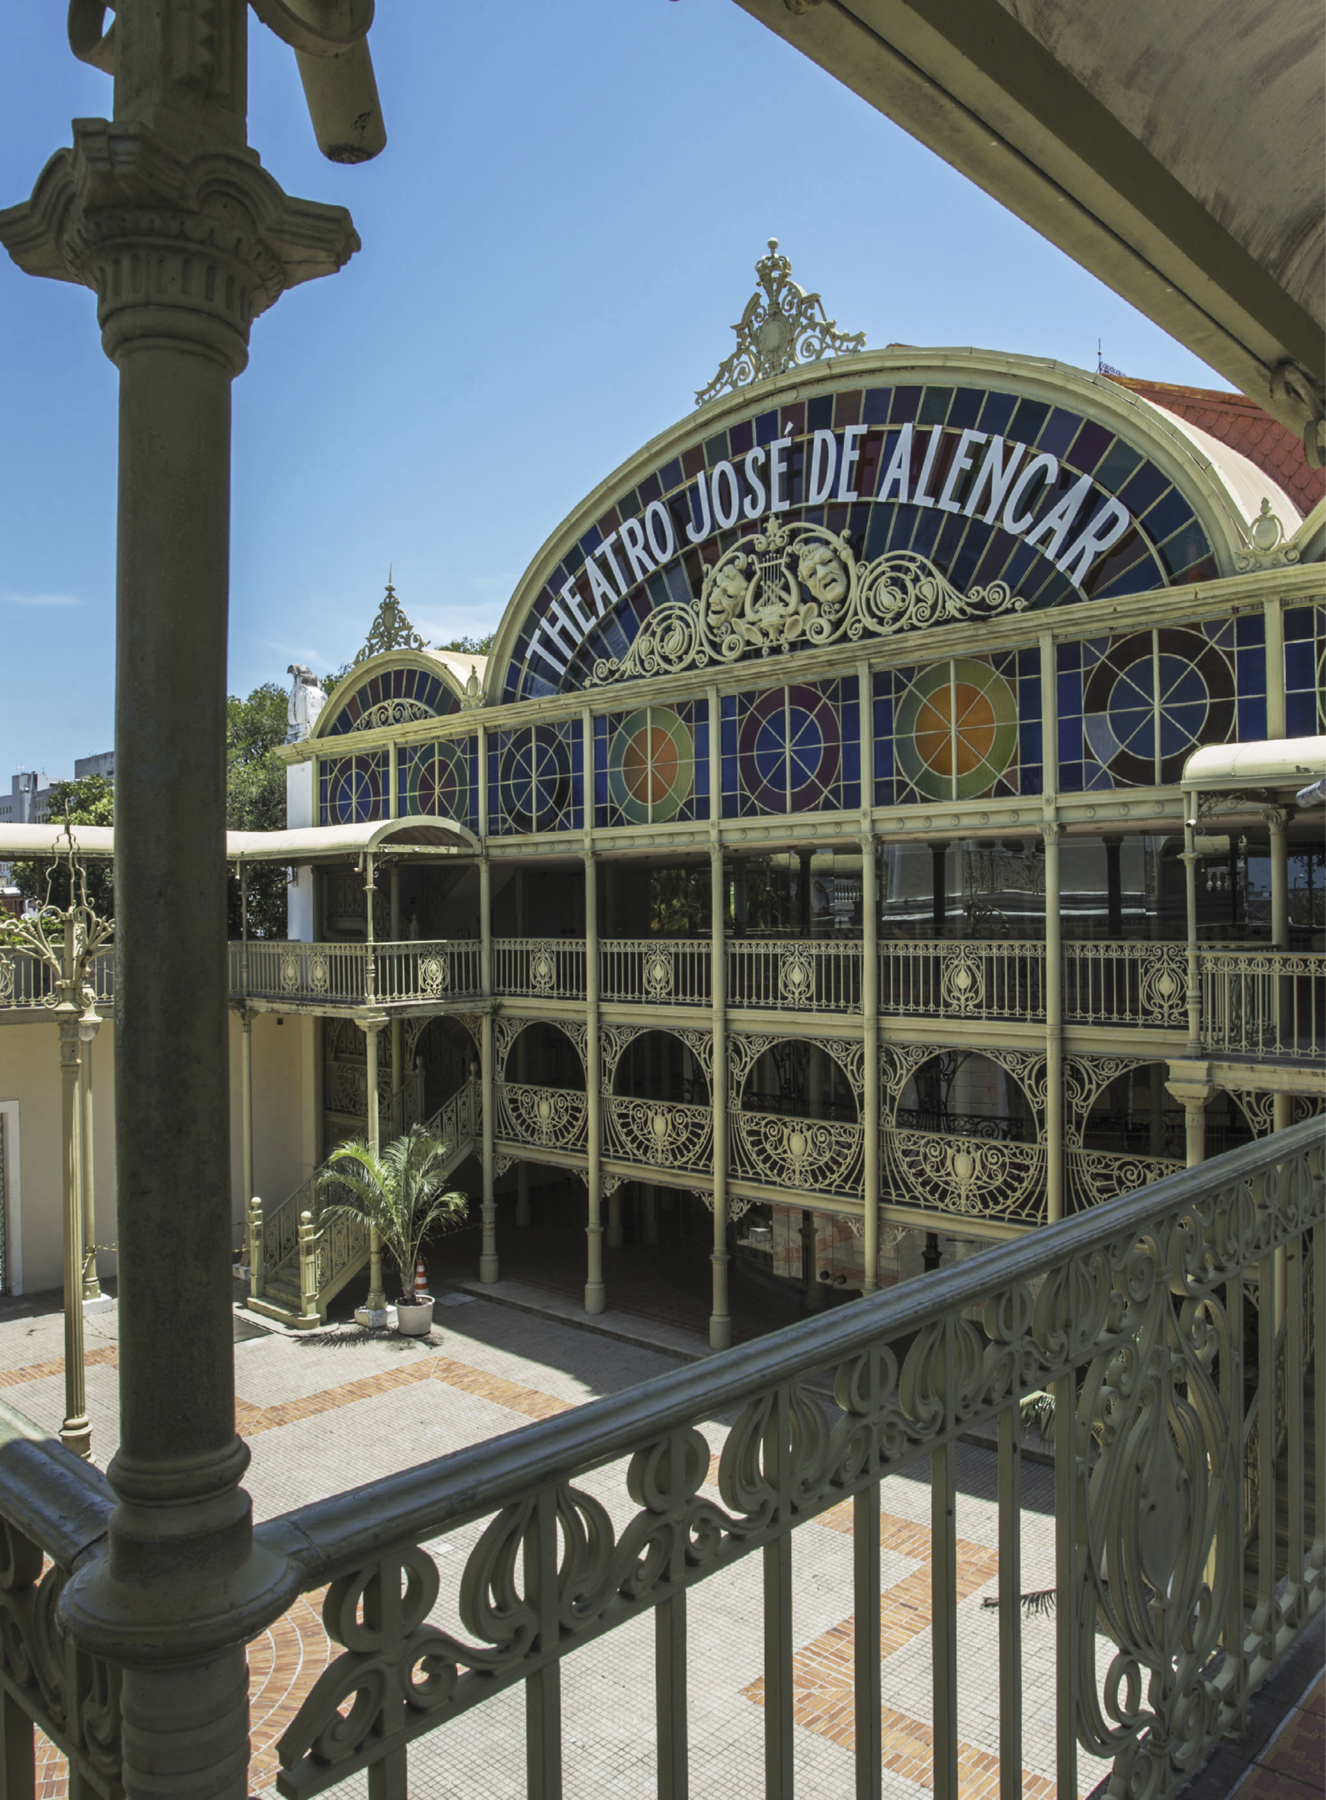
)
(397, 686)
(566, 583)
(1279, 763)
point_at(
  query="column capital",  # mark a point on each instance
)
(1051, 830)
(174, 251)
(372, 1023)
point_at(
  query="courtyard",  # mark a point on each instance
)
(318, 1407)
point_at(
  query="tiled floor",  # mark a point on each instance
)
(326, 1410)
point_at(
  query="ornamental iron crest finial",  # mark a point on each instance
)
(391, 629)
(1268, 549)
(781, 326)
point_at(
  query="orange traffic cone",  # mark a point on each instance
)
(421, 1277)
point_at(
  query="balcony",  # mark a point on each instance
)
(1180, 1331)
(1263, 1005)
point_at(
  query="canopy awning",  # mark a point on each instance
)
(1281, 763)
(307, 843)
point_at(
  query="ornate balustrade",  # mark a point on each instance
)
(940, 978)
(1131, 1315)
(539, 968)
(55, 1509)
(554, 1118)
(971, 1177)
(656, 971)
(1096, 1175)
(1126, 983)
(25, 982)
(810, 1157)
(794, 974)
(338, 974)
(660, 1134)
(1270, 1004)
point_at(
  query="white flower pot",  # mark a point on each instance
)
(414, 1318)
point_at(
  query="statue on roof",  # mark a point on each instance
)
(782, 326)
(391, 629)
(306, 702)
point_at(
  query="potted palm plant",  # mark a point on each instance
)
(401, 1191)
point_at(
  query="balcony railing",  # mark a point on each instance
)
(26, 982)
(1187, 1534)
(940, 978)
(1272, 1004)
(556, 1118)
(539, 968)
(794, 974)
(656, 971)
(630, 1505)
(356, 974)
(1126, 984)
(657, 1134)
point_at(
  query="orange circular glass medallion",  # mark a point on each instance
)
(650, 766)
(948, 751)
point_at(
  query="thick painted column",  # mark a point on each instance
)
(1191, 1087)
(1189, 861)
(870, 1060)
(488, 1264)
(720, 1318)
(1054, 1028)
(397, 1024)
(374, 1310)
(185, 238)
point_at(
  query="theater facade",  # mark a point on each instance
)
(872, 834)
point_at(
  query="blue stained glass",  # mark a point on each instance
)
(1059, 432)
(1168, 516)
(1248, 629)
(1301, 714)
(1028, 420)
(905, 402)
(1088, 447)
(965, 410)
(875, 409)
(767, 428)
(1299, 665)
(742, 437)
(1070, 776)
(997, 413)
(1299, 623)
(1144, 490)
(819, 413)
(1252, 720)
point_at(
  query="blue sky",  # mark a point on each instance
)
(557, 240)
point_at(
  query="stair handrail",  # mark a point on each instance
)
(280, 1227)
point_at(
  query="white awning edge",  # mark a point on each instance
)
(1288, 763)
(310, 843)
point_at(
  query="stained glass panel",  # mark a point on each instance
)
(651, 766)
(392, 697)
(536, 779)
(792, 749)
(958, 729)
(353, 789)
(1305, 671)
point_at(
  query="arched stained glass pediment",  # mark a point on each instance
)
(887, 502)
(397, 695)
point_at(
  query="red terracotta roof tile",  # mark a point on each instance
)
(1236, 420)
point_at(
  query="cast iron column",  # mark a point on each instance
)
(169, 216)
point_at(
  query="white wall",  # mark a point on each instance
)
(30, 1095)
(283, 1133)
(300, 809)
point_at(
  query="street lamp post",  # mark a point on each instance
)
(82, 937)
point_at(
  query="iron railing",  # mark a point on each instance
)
(794, 974)
(26, 981)
(1272, 1004)
(355, 974)
(569, 1529)
(539, 968)
(941, 978)
(1126, 983)
(656, 971)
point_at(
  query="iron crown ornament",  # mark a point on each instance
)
(782, 326)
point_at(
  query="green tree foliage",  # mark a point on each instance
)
(90, 801)
(401, 1191)
(469, 646)
(255, 801)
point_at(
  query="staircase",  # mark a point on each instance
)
(298, 1264)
